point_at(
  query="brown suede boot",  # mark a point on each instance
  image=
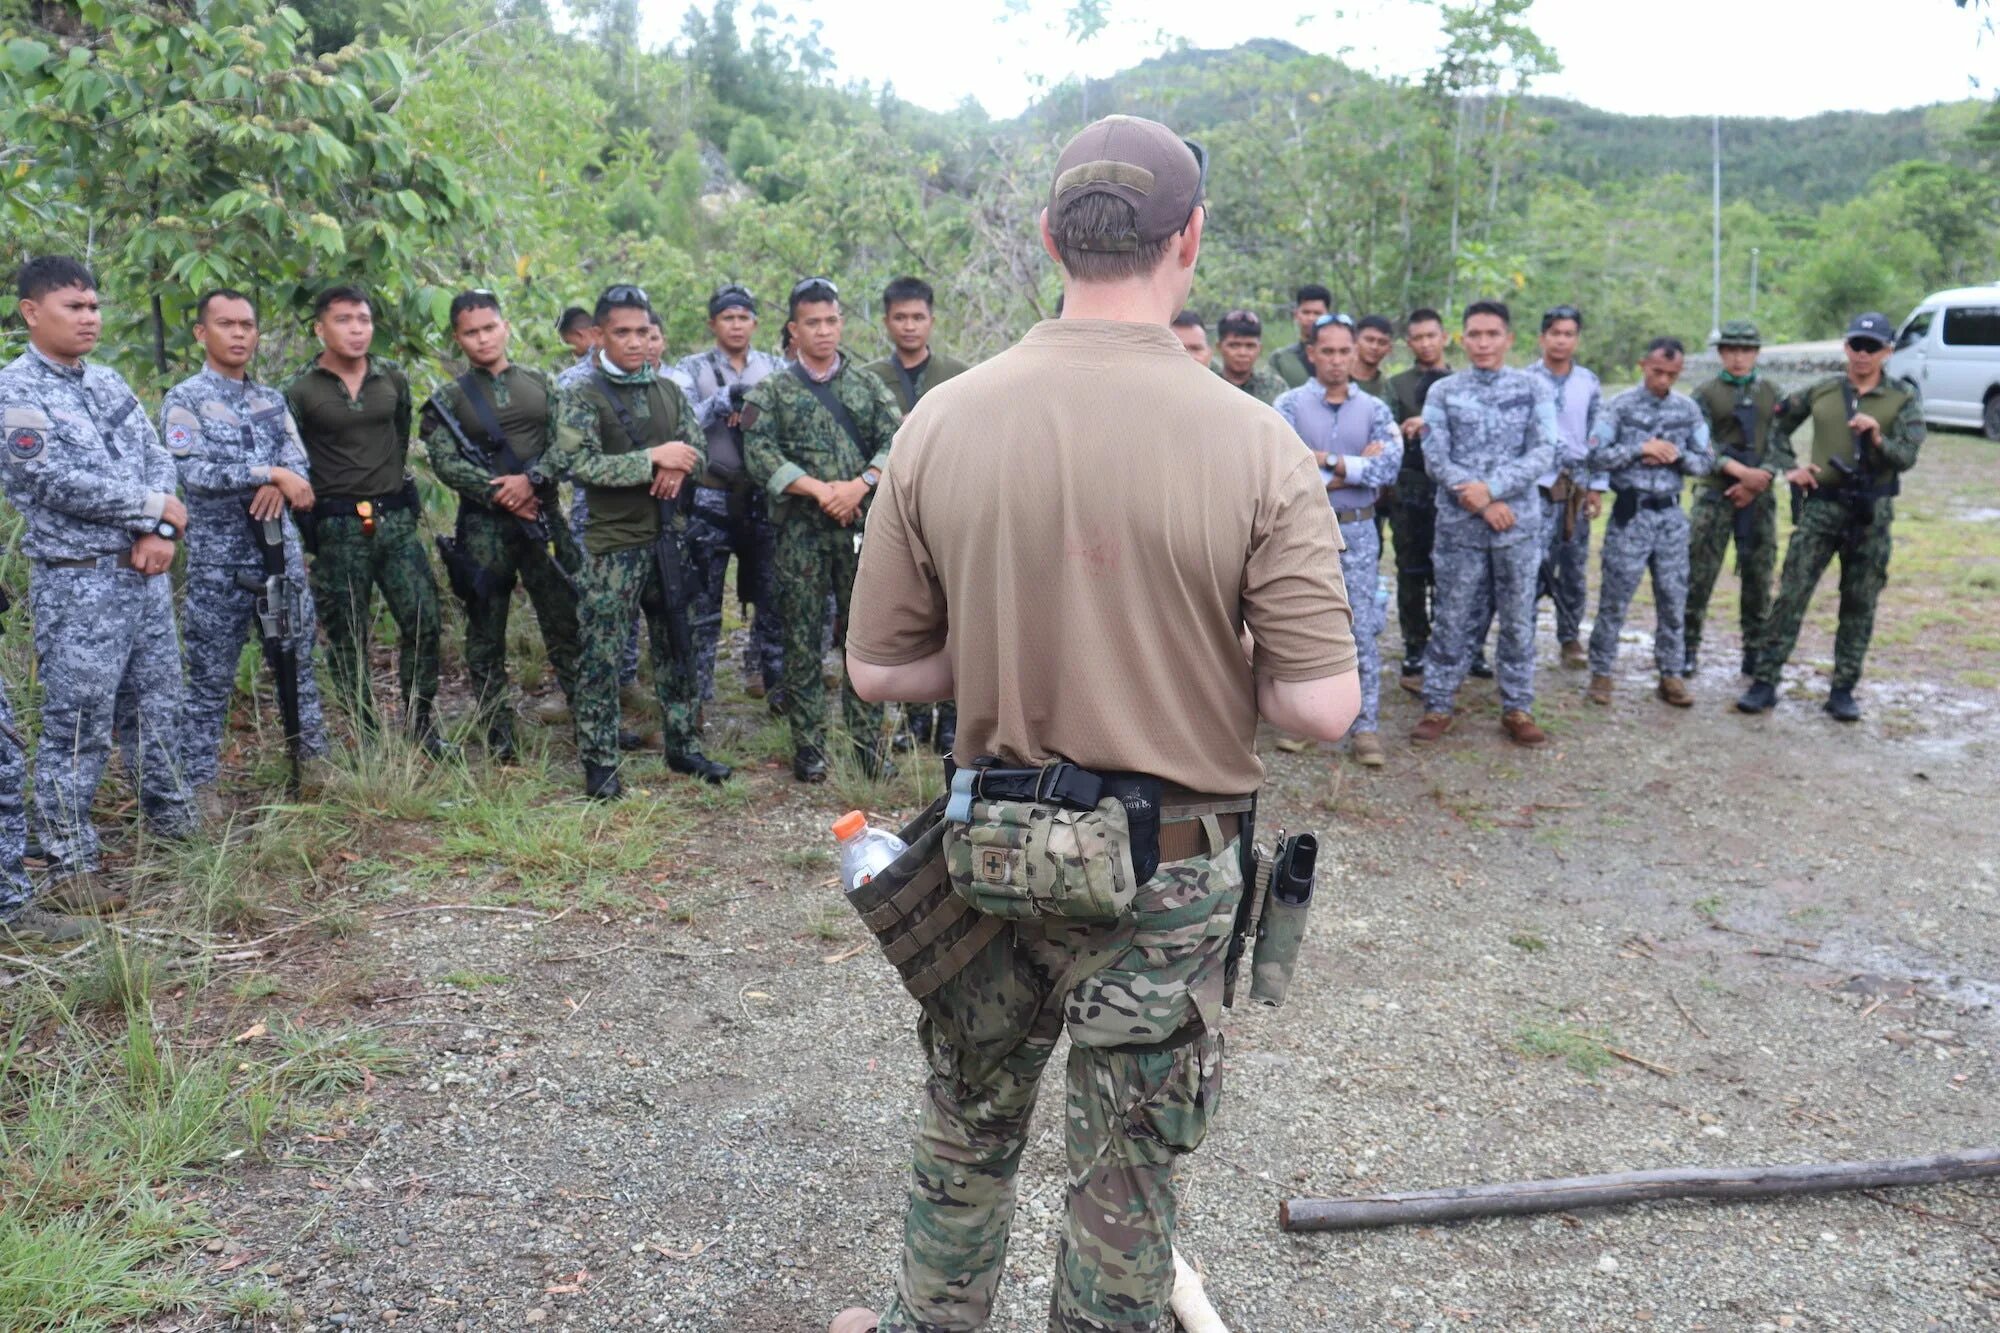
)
(1675, 692)
(1521, 729)
(1432, 727)
(1599, 690)
(1574, 655)
(82, 894)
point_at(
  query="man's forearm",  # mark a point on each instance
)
(926, 680)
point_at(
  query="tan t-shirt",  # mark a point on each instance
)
(1086, 522)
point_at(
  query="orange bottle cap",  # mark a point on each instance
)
(849, 824)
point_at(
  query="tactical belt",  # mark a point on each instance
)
(347, 506)
(122, 560)
(1182, 814)
(1361, 515)
(1631, 500)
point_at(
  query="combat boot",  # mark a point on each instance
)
(1840, 704)
(695, 764)
(500, 740)
(1760, 697)
(1575, 655)
(1690, 660)
(38, 925)
(1521, 729)
(424, 730)
(208, 805)
(1599, 690)
(1675, 691)
(629, 740)
(755, 689)
(1367, 747)
(809, 765)
(1749, 667)
(316, 774)
(1480, 666)
(1431, 727)
(75, 894)
(600, 782)
(1412, 678)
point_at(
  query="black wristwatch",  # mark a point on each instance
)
(870, 477)
(166, 530)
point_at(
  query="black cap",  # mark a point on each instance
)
(1872, 325)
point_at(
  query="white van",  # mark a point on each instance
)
(1950, 345)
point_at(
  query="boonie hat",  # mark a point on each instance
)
(1871, 325)
(1739, 333)
(1140, 161)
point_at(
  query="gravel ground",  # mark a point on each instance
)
(699, 1120)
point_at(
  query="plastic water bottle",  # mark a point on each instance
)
(864, 852)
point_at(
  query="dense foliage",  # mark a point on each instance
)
(424, 145)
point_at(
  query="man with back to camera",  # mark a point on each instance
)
(1488, 433)
(354, 410)
(1187, 326)
(1293, 364)
(1150, 514)
(240, 458)
(1648, 438)
(1353, 438)
(1239, 342)
(95, 489)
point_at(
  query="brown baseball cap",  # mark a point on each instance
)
(1140, 161)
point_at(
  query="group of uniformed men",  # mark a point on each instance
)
(732, 452)
(1490, 478)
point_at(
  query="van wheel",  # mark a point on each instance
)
(1990, 419)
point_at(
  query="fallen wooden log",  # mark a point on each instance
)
(1512, 1198)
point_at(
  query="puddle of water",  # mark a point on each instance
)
(1983, 515)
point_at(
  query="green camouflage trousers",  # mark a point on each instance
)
(1817, 538)
(813, 560)
(1713, 528)
(496, 545)
(612, 589)
(345, 570)
(1142, 1000)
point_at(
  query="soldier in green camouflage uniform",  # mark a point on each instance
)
(630, 439)
(1867, 428)
(1239, 337)
(495, 496)
(1736, 500)
(1293, 364)
(819, 470)
(354, 412)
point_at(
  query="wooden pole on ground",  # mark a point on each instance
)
(1512, 1198)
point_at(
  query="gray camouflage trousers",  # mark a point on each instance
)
(1475, 586)
(1360, 565)
(110, 666)
(216, 617)
(1655, 539)
(15, 890)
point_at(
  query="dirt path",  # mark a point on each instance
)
(698, 1118)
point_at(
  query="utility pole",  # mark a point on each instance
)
(1753, 282)
(1715, 323)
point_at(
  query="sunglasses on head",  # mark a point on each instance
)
(625, 293)
(1201, 181)
(1345, 321)
(731, 289)
(805, 285)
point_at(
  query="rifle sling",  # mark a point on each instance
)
(505, 459)
(831, 402)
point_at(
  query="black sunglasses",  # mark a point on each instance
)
(625, 293)
(1866, 346)
(808, 284)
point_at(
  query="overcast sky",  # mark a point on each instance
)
(1694, 57)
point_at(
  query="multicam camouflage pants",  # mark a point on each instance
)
(346, 570)
(15, 890)
(1655, 540)
(1712, 527)
(110, 666)
(813, 560)
(613, 589)
(1475, 586)
(216, 618)
(1144, 1078)
(1818, 536)
(713, 537)
(495, 543)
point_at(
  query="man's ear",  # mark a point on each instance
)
(1048, 241)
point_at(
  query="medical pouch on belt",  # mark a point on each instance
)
(1026, 859)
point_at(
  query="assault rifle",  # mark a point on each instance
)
(469, 580)
(280, 612)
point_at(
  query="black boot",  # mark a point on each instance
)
(1480, 666)
(1760, 697)
(600, 782)
(629, 740)
(1690, 660)
(695, 764)
(1749, 667)
(500, 741)
(809, 765)
(424, 731)
(1840, 704)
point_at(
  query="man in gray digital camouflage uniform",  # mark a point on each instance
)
(1489, 432)
(240, 459)
(96, 488)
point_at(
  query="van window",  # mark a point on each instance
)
(1914, 331)
(1972, 326)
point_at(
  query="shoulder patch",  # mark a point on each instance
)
(183, 429)
(25, 443)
